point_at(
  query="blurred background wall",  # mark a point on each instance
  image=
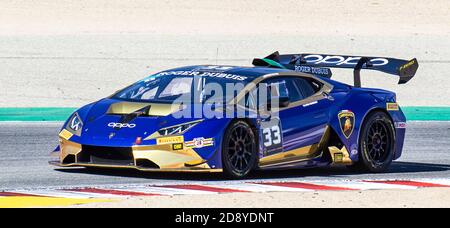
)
(68, 53)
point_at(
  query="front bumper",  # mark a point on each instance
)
(155, 158)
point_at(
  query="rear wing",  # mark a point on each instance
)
(319, 64)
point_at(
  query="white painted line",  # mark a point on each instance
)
(361, 185)
(255, 187)
(168, 191)
(436, 181)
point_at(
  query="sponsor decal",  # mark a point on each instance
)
(200, 142)
(213, 68)
(170, 140)
(312, 70)
(177, 146)
(392, 107)
(111, 135)
(400, 124)
(347, 122)
(338, 157)
(353, 150)
(138, 141)
(121, 125)
(215, 74)
(408, 64)
(340, 60)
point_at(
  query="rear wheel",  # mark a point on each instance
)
(376, 143)
(239, 148)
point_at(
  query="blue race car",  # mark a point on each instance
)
(285, 112)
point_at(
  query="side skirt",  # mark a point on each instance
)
(319, 154)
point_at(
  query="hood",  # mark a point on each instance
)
(119, 123)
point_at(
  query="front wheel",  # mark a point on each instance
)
(376, 143)
(239, 148)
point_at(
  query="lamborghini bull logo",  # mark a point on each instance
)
(347, 122)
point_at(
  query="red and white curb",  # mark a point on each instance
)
(228, 187)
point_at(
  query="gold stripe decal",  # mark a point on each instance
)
(298, 154)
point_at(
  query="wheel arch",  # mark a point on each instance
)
(364, 119)
(252, 123)
(362, 105)
(249, 121)
(369, 112)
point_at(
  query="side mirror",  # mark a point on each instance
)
(277, 96)
(284, 102)
(277, 102)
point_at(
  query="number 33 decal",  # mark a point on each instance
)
(272, 136)
(271, 133)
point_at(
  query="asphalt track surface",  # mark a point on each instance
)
(25, 147)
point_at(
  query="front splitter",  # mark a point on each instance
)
(193, 170)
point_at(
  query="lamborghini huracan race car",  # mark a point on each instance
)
(284, 112)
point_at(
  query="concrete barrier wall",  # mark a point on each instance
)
(68, 53)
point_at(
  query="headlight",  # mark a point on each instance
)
(75, 125)
(177, 129)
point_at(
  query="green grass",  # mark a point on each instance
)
(61, 114)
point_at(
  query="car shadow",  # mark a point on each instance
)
(396, 168)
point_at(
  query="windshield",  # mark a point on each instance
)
(180, 89)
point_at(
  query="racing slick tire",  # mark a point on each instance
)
(239, 150)
(376, 143)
